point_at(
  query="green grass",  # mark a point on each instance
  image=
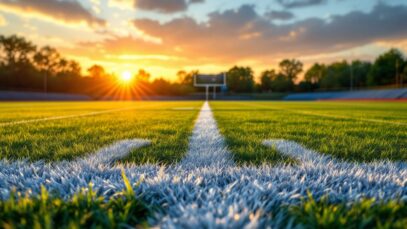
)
(69, 138)
(363, 214)
(83, 210)
(354, 131)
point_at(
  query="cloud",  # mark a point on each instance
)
(196, 1)
(67, 11)
(299, 3)
(165, 6)
(235, 34)
(3, 21)
(279, 15)
(244, 37)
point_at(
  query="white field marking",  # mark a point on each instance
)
(206, 145)
(332, 116)
(66, 116)
(202, 192)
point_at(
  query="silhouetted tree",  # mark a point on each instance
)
(143, 76)
(403, 80)
(383, 71)
(240, 79)
(266, 79)
(360, 70)
(96, 71)
(314, 74)
(290, 68)
(186, 78)
(16, 50)
(47, 60)
(281, 83)
(16, 67)
(337, 76)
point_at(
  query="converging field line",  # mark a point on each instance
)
(206, 189)
(207, 146)
(67, 116)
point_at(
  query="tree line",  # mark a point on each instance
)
(388, 70)
(24, 66)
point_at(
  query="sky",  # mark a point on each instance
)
(165, 36)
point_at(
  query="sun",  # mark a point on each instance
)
(126, 77)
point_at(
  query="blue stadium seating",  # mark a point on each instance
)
(365, 94)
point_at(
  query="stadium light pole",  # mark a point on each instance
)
(397, 73)
(351, 76)
(45, 82)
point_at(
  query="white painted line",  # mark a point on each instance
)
(206, 145)
(295, 150)
(66, 116)
(210, 191)
(114, 152)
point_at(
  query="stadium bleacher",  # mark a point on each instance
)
(388, 94)
(39, 96)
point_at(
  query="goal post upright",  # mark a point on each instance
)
(208, 81)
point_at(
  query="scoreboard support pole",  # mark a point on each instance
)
(208, 81)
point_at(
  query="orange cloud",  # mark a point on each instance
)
(63, 11)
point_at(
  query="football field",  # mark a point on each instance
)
(197, 164)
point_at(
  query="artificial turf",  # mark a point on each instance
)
(167, 127)
(354, 131)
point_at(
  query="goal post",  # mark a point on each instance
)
(207, 81)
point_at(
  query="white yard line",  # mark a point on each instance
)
(207, 146)
(66, 116)
(210, 191)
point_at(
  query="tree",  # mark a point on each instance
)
(281, 83)
(17, 69)
(16, 50)
(47, 59)
(266, 79)
(337, 76)
(142, 76)
(69, 68)
(240, 79)
(186, 78)
(96, 71)
(360, 70)
(290, 68)
(385, 68)
(315, 73)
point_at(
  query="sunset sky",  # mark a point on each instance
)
(164, 36)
